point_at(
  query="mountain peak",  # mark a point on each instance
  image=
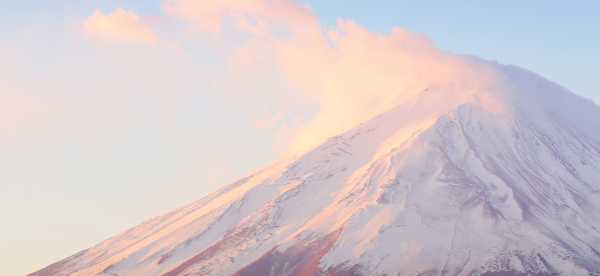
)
(494, 179)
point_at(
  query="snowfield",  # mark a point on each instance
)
(457, 180)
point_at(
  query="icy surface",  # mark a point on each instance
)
(456, 181)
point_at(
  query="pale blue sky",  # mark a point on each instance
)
(558, 39)
(125, 148)
(551, 35)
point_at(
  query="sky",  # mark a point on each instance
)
(112, 112)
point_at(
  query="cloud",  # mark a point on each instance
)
(353, 75)
(279, 54)
(255, 16)
(348, 72)
(118, 26)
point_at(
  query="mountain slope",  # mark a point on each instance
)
(461, 180)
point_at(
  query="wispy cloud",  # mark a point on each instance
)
(347, 71)
(344, 73)
(255, 16)
(118, 26)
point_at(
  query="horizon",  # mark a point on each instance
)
(117, 111)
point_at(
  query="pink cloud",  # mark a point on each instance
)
(347, 72)
(350, 73)
(353, 74)
(118, 26)
(255, 16)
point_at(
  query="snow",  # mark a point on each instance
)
(456, 180)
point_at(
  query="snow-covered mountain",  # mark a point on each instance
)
(457, 180)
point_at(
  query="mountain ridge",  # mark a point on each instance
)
(459, 180)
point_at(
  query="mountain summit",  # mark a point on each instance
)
(501, 179)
